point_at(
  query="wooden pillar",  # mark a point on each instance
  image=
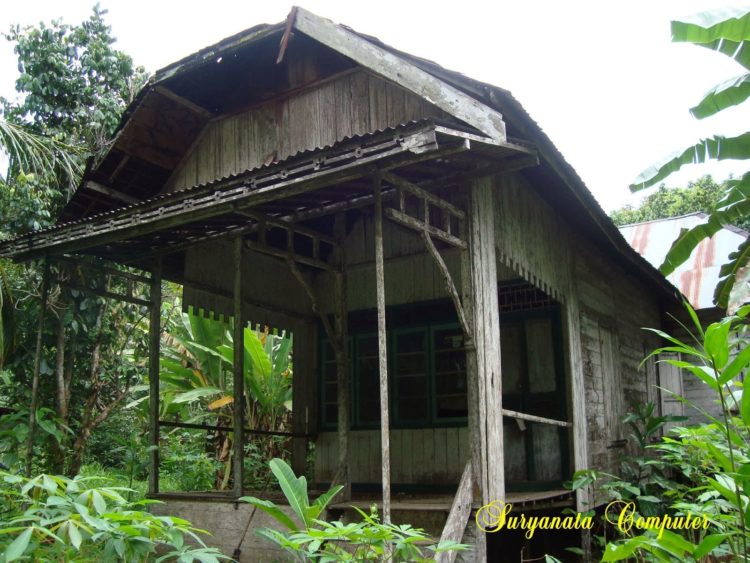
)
(479, 280)
(154, 346)
(304, 413)
(576, 402)
(343, 475)
(37, 370)
(385, 446)
(238, 405)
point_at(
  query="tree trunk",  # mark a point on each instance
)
(58, 461)
(87, 423)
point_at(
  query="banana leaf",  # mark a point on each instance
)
(727, 94)
(716, 148)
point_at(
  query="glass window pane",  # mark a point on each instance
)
(368, 380)
(410, 373)
(450, 373)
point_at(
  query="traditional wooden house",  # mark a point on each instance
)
(465, 316)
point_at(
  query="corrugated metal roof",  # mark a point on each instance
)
(697, 277)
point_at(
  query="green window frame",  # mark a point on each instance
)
(406, 366)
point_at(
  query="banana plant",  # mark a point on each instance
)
(726, 31)
(197, 378)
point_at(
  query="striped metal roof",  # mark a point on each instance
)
(697, 277)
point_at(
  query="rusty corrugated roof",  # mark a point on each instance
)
(697, 277)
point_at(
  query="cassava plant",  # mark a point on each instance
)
(54, 518)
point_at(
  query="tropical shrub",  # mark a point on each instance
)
(197, 377)
(308, 538)
(703, 470)
(54, 518)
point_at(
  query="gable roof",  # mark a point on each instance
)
(698, 276)
(168, 115)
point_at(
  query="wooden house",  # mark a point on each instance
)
(464, 312)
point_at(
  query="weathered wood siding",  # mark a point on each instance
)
(270, 293)
(544, 248)
(351, 104)
(411, 275)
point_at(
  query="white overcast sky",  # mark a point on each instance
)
(601, 78)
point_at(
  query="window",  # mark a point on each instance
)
(411, 374)
(451, 401)
(427, 378)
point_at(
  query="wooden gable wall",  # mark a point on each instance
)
(352, 103)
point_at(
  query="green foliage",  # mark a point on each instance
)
(73, 85)
(295, 491)
(725, 31)
(197, 386)
(54, 518)
(311, 539)
(72, 79)
(702, 470)
(702, 195)
(14, 431)
(367, 540)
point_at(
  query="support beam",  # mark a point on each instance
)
(286, 255)
(415, 224)
(110, 192)
(417, 191)
(483, 264)
(154, 345)
(192, 106)
(385, 444)
(451, 288)
(304, 413)
(238, 405)
(327, 327)
(458, 517)
(534, 418)
(37, 370)
(344, 475)
(576, 391)
(479, 281)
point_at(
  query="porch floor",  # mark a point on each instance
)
(425, 502)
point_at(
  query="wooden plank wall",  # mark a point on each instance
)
(419, 455)
(534, 240)
(351, 104)
(210, 264)
(411, 275)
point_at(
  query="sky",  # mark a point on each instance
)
(601, 78)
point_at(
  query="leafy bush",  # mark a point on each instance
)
(53, 518)
(310, 539)
(192, 472)
(709, 464)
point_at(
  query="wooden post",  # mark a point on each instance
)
(343, 475)
(37, 370)
(154, 345)
(385, 446)
(304, 414)
(576, 402)
(458, 517)
(238, 406)
(479, 280)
